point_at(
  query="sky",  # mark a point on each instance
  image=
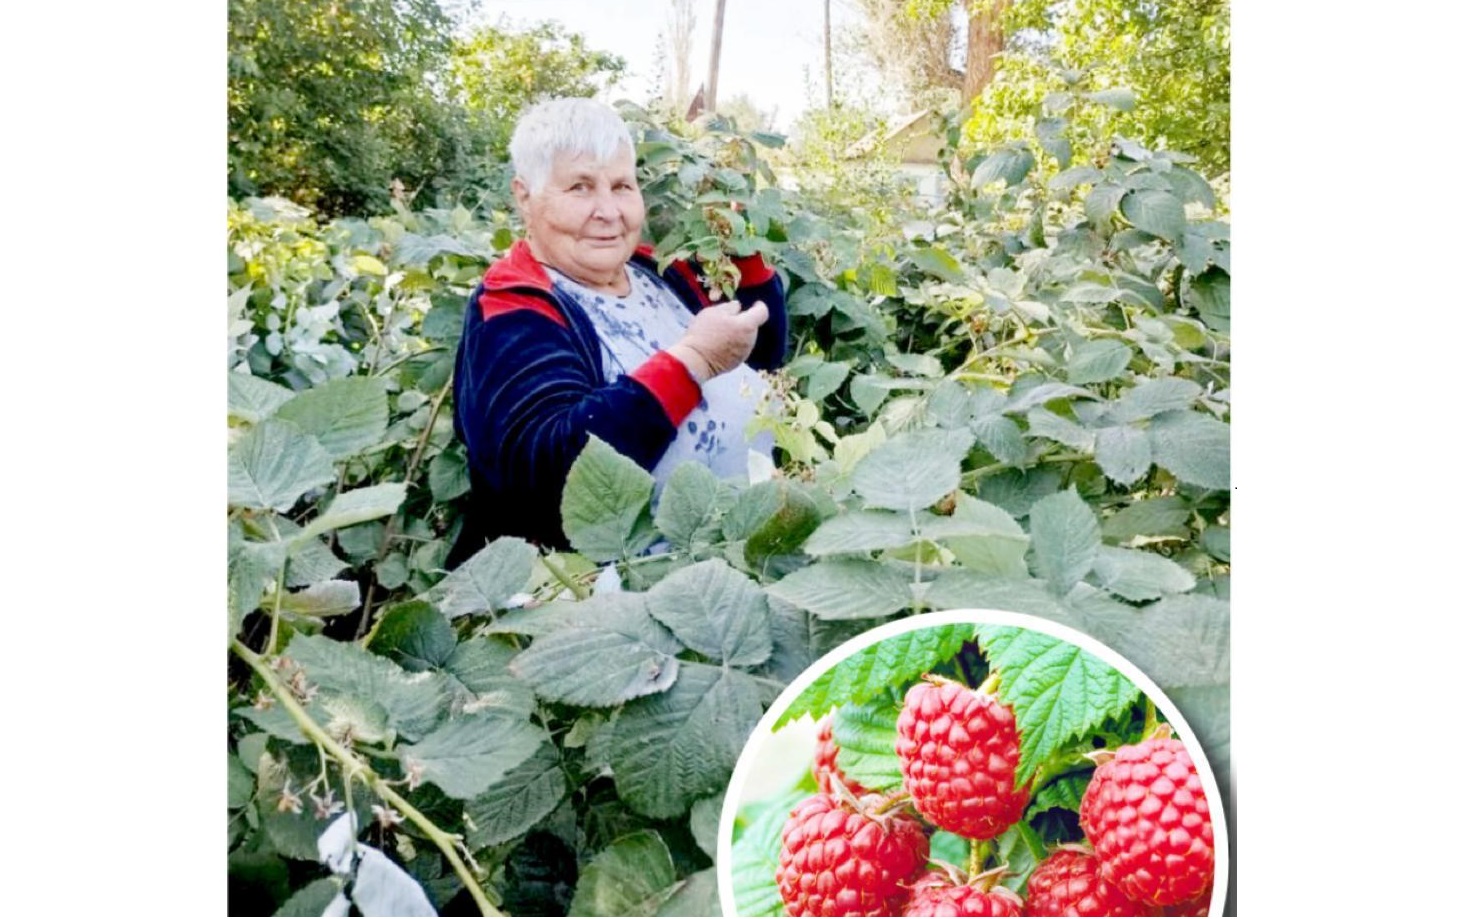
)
(773, 50)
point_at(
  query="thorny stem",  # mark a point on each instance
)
(355, 768)
(277, 594)
(391, 530)
(972, 475)
(579, 590)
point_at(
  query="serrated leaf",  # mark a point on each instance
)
(1157, 212)
(938, 262)
(1042, 422)
(671, 749)
(1155, 517)
(1002, 437)
(1029, 398)
(913, 470)
(1193, 446)
(485, 582)
(826, 379)
(1020, 848)
(890, 662)
(846, 589)
(1216, 540)
(756, 856)
(1064, 539)
(1210, 294)
(1010, 166)
(312, 899)
(1102, 202)
(416, 249)
(982, 537)
(357, 506)
(1098, 361)
(962, 589)
(801, 639)
(715, 611)
(272, 465)
(1122, 452)
(1191, 186)
(613, 653)
(324, 599)
(860, 531)
(1136, 575)
(368, 264)
(481, 666)
(469, 752)
(785, 531)
(1090, 292)
(696, 895)
(345, 416)
(414, 635)
(603, 499)
(1154, 397)
(415, 702)
(448, 475)
(1179, 641)
(250, 568)
(865, 736)
(253, 399)
(691, 507)
(1059, 692)
(1119, 97)
(704, 823)
(1077, 175)
(1064, 792)
(514, 804)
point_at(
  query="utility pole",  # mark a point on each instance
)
(713, 55)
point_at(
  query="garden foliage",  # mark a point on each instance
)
(1022, 404)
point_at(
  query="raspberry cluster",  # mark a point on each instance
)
(843, 859)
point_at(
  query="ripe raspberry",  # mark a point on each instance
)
(1146, 815)
(959, 753)
(1200, 906)
(936, 895)
(835, 861)
(1067, 883)
(824, 768)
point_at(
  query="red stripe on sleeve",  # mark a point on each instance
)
(494, 303)
(752, 270)
(667, 379)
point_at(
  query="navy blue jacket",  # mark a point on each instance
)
(530, 388)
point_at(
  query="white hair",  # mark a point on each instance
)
(574, 126)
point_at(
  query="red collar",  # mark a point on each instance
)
(520, 269)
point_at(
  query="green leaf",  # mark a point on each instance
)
(1064, 539)
(1210, 295)
(715, 611)
(469, 752)
(1064, 792)
(860, 531)
(1180, 641)
(253, 399)
(357, 506)
(240, 783)
(696, 895)
(866, 735)
(368, 264)
(448, 475)
(982, 537)
(615, 653)
(1002, 437)
(1049, 133)
(951, 404)
(704, 823)
(1043, 422)
(1102, 202)
(785, 531)
(961, 589)
(312, 899)
(1119, 97)
(1136, 575)
(1090, 292)
(514, 804)
(671, 749)
(1191, 186)
(1122, 452)
(346, 416)
(1021, 849)
(1217, 541)
(1157, 212)
(946, 848)
(826, 379)
(485, 582)
(690, 513)
(272, 465)
(1193, 446)
(415, 702)
(481, 665)
(603, 500)
(1154, 397)
(630, 877)
(1077, 175)
(326, 598)
(250, 568)
(414, 635)
(1030, 397)
(756, 859)
(1155, 517)
(847, 589)
(913, 470)
(867, 674)
(1098, 361)
(1010, 166)
(1059, 692)
(937, 261)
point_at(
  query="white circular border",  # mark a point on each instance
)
(979, 617)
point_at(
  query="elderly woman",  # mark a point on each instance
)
(575, 333)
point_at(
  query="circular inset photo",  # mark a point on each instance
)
(973, 763)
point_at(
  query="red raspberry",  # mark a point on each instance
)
(959, 752)
(1067, 883)
(1146, 815)
(836, 861)
(1200, 906)
(825, 769)
(935, 895)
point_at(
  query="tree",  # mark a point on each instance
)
(715, 52)
(329, 101)
(681, 23)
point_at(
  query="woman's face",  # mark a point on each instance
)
(586, 220)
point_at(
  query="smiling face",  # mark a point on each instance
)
(586, 219)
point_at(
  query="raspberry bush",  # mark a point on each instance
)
(1043, 779)
(1021, 403)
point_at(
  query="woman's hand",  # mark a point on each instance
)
(719, 338)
